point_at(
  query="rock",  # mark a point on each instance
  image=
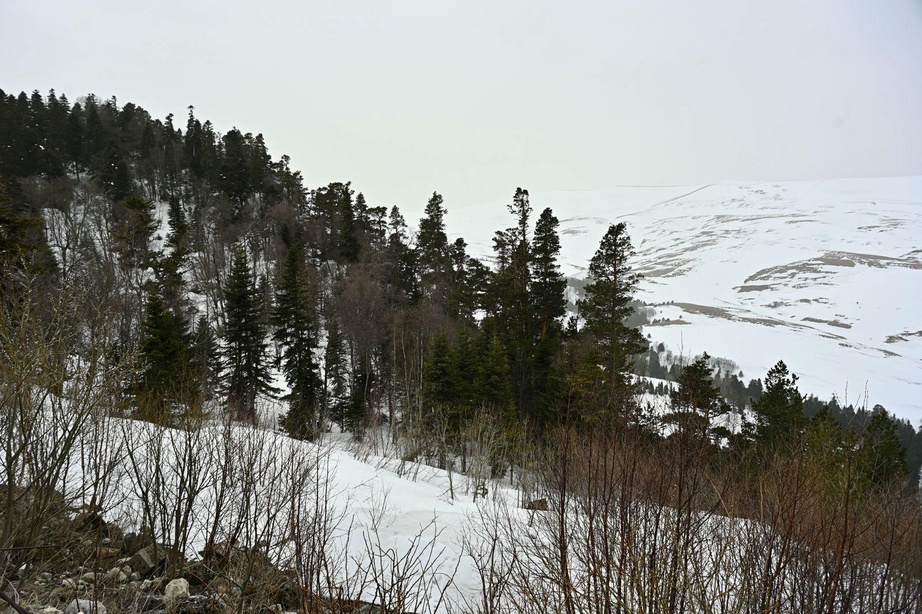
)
(90, 577)
(116, 576)
(85, 606)
(50, 610)
(176, 589)
(147, 560)
(68, 584)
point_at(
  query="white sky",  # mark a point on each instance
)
(475, 98)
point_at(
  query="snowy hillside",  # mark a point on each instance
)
(825, 275)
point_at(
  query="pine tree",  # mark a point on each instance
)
(245, 351)
(296, 331)
(606, 306)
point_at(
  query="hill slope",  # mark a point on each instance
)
(825, 275)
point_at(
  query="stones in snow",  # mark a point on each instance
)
(176, 589)
(149, 559)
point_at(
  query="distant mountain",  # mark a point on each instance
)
(826, 275)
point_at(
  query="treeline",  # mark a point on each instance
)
(368, 321)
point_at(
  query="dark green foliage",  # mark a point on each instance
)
(166, 378)
(433, 258)
(335, 375)
(23, 245)
(135, 230)
(245, 347)
(696, 402)
(779, 412)
(115, 176)
(493, 383)
(440, 380)
(402, 279)
(295, 321)
(206, 359)
(607, 305)
(882, 458)
(548, 283)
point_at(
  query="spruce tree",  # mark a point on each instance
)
(296, 332)
(606, 306)
(439, 377)
(432, 251)
(245, 347)
(548, 283)
(166, 378)
(549, 306)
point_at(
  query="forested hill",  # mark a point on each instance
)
(206, 276)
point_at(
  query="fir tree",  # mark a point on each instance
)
(245, 351)
(295, 331)
(439, 377)
(165, 379)
(549, 306)
(606, 306)
(432, 251)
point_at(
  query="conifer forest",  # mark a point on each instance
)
(189, 334)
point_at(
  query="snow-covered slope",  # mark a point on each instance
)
(825, 275)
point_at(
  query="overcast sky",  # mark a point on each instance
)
(474, 98)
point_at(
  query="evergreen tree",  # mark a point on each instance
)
(23, 243)
(402, 278)
(234, 175)
(295, 330)
(779, 412)
(135, 230)
(549, 305)
(882, 459)
(439, 377)
(206, 359)
(493, 382)
(606, 306)
(548, 283)
(432, 251)
(696, 402)
(115, 176)
(348, 245)
(245, 347)
(165, 379)
(334, 370)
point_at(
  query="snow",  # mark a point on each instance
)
(825, 275)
